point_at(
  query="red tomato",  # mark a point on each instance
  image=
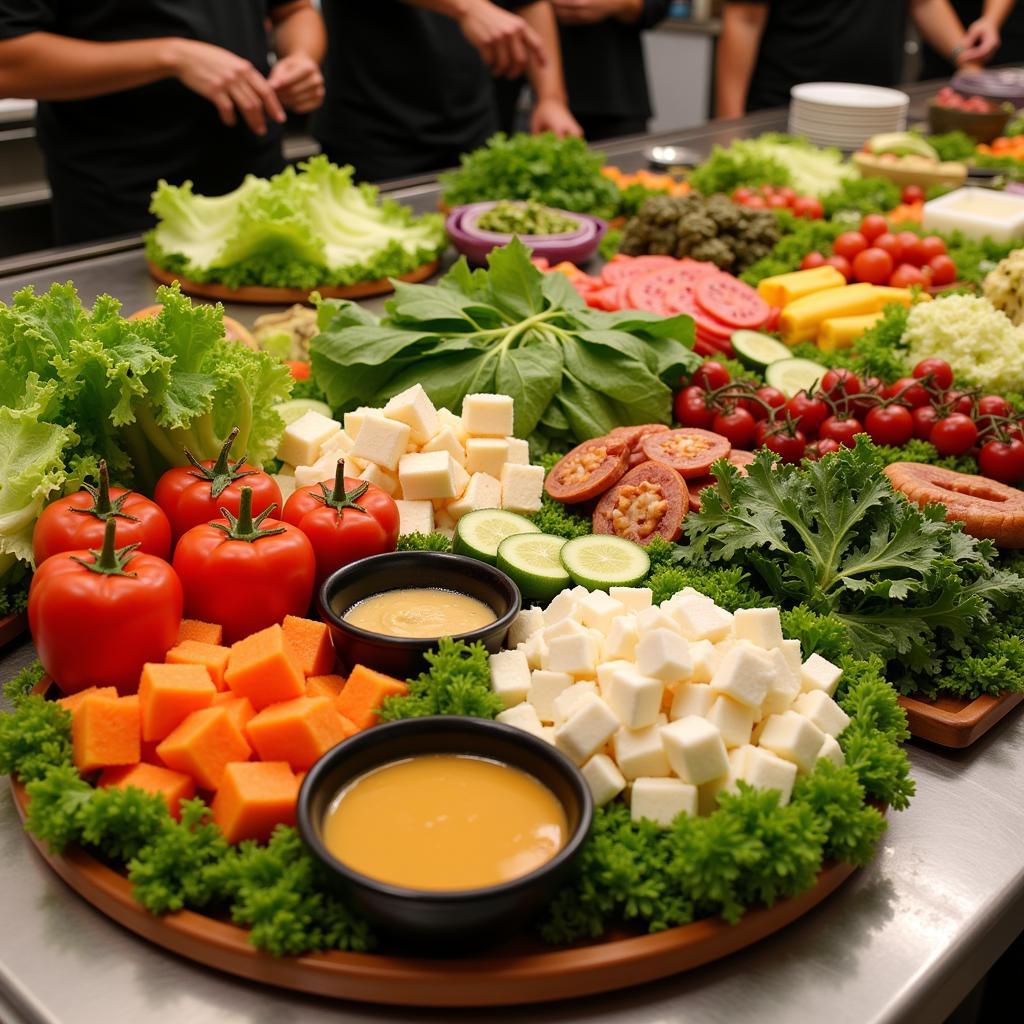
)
(870, 386)
(741, 194)
(808, 207)
(954, 434)
(932, 246)
(299, 369)
(756, 203)
(354, 520)
(906, 275)
(767, 191)
(959, 401)
(889, 424)
(890, 243)
(873, 225)
(842, 429)
(819, 449)
(840, 384)
(78, 522)
(194, 495)
(811, 260)
(245, 572)
(736, 425)
(910, 248)
(990, 405)
(778, 202)
(788, 444)
(849, 243)
(842, 264)
(691, 409)
(98, 616)
(808, 413)
(786, 192)
(710, 375)
(1002, 461)
(943, 270)
(939, 370)
(770, 396)
(925, 418)
(910, 391)
(912, 194)
(873, 265)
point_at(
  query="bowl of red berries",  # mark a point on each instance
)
(983, 120)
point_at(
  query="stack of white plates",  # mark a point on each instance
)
(844, 114)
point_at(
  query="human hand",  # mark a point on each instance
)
(980, 41)
(506, 43)
(553, 116)
(586, 12)
(298, 82)
(228, 81)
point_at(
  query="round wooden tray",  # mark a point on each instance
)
(283, 296)
(523, 972)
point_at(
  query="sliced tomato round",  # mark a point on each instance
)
(621, 269)
(634, 437)
(648, 292)
(690, 451)
(681, 298)
(731, 301)
(588, 470)
(610, 298)
(737, 457)
(649, 501)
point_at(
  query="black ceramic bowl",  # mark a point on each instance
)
(449, 918)
(402, 657)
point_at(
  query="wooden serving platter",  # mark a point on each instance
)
(258, 295)
(956, 722)
(11, 627)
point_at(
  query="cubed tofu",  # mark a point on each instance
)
(482, 491)
(695, 749)
(791, 651)
(460, 481)
(599, 610)
(446, 441)
(486, 455)
(547, 734)
(563, 605)
(794, 738)
(301, 439)
(414, 408)
(453, 421)
(521, 487)
(382, 441)
(443, 521)
(320, 471)
(567, 701)
(591, 725)
(831, 750)
(703, 661)
(640, 752)
(545, 687)
(338, 445)
(764, 770)
(518, 451)
(700, 619)
(576, 655)
(488, 415)
(662, 800)
(524, 625)
(817, 673)
(621, 640)
(415, 516)
(522, 716)
(784, 687)
(654, 618)
(761, 626)
(691, 699)
(354, 419)
(733, 720)
(745, 675)
(381, 478)
(634, 697)
(818, 707)
(603, 779)
(510, 676)
(564, 627)
(536, 650)
(427, 475)
(633, 599)
(606, 669)
(664, 654)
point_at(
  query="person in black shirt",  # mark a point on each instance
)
(768, 47)
(995, 35)
(132, 91)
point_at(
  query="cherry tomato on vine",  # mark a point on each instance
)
(910, 248)
(943, 270)
(910, 391)
(873, 225)
(787, 443)
(993, 405)
(889, 424)
(842, 429)
(770, 396)
(888, 242)
(959, 401)
(842, 264)
(839, 384)
(737, 425)
(954, 434)
(819, 449)
(691, 409)
(1002, 461)
(808, 412)
(873, 265)
(871, 386)
(741, 194)
(808, 207)
(811, 260)
(938, 369)
(786, 192)
(710, 375)
(912, 194)
(925, 417)
(907, 275)
(932, 246)
(849, 243)
(777, 202)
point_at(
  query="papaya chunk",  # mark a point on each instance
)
(298, 731)
(261, 667)
(168, 694)
(254, 798)
(204, 745)
(310, 644)
(172, 786)
(203, 632)
(363, 694)
(212, 657)
(106, 731)
(72, 702)
(324, 686)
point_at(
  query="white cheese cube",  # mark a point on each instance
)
(635, 698)
(586, 730)
(453, 421)
(524, 625)
(702, 660)
(518, 451)
(544, 688)
(426, 475)
(382, 441)
(633, 599)
(510, 676)
(338, 444)
(576, 655)
(301, 440)
(323, 470)
(486, 455)
(784, 687)
(607, 669)
(482, 491)
(793, 737)
(460, 478)
(664, 654)
(414, 408)
(654, 618)
(640, 752)
(695, 749)
(415, 516)
(662, 800)
(816, 673)
(744, 674)
(761, 626)
(564, 627)
(603, 778)
(444, 522)
(521, 487)
(567, 701)
(691, 699)
(621, 640)
(488, 415)
(764, 770)
(562, 606)
(699, 619)
(354, 419)
(446, 441)
(547, 734)
(536, 650)
(818, 707)
(599, 610)
(733, 720)
(286, 485)
(831, 750)
(521, 716)
(381, 478)
(791, 651)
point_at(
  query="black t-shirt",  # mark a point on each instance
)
(105, 155)
(827, 41)
(1011, 47)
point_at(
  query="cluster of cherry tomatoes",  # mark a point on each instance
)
(779, 197)
(875, 255)
(925, 406)
(949, 97)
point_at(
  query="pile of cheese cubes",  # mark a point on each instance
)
(438, 466)
(674, 703)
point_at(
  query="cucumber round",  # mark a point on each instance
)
(793, 375)
(756, 350)
(479, 533)
(291, 410)
(598, 562)
(532, 561)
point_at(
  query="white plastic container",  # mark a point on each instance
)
(977, 212)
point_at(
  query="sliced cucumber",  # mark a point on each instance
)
(291, 410)
(793, 375)
(531, 560)
(756, 350)
(598, 562)
(479, 533)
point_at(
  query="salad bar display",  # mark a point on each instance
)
(547, 628)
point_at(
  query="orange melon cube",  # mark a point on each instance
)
(298, 731)
(105, 731)
(204, 745)
(310, 644)
(324, 686)
(254, 798)
(211, 656)
(72, 702)
(168, 694)
(239, 708)
(363, 694)
(262, 668)
(172, 786)
(203, 632)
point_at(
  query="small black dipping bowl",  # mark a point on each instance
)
(402, 657)
(447, 918)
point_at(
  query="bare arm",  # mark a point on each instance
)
(938, 23)
(300, 43)
(742, 28)
(982, 37)
(551, 111)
